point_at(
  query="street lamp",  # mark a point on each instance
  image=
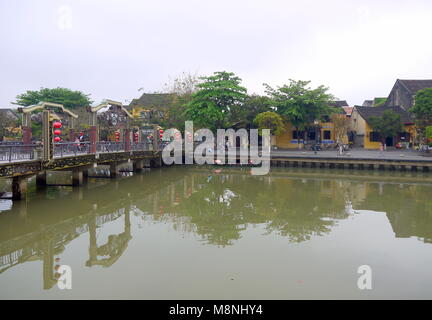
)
(317, 131)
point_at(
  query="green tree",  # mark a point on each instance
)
(422, 110)
(217, 95)
(243, 116)
(388, 125)
(301, 105)
(68, 98)
(429, 132)
(379, 102)
(270, 120)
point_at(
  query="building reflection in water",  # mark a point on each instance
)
(294, 204)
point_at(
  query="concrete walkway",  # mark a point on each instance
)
(351, 154)
(357, 154)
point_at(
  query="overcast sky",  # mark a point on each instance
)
(111, 48)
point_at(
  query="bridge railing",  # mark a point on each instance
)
(21, 152)
(17, 152)
(140, 146)
(64, 149)
(109, 146)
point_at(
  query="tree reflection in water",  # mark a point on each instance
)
(293, 204)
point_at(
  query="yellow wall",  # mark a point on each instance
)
(287, 141)
(367, 143)
(136, 112)
(284, 140)
(377, 145)
(361, 127)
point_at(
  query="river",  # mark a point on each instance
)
(200, 233)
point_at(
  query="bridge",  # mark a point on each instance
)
(20, 161)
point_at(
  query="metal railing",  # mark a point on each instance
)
(141, 146)
(21, 152)
(17, 152)
(109, 146)
(64, 149)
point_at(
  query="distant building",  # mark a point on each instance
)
(348, 111)
(9, 115)
(365, 137)
(151, 107)
(323, 133)
(368, 103)
(10, 125)
(339, 104)
(291, 138)
(404, 91)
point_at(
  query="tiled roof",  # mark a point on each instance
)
(152, 100)
(8, 113)
(340, 103)
(415, 85)
(368, 112)
(368, 103)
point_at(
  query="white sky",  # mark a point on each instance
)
(111, 48)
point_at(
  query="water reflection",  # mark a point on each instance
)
(216, 207)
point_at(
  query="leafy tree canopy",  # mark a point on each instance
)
(68, 98)
(388, 125)
(422, 108)
(217, 95)
(379, 102)
(270, 120)
(243, 116)
(429, 132)
(300, 104)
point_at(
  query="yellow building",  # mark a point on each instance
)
(141, 113)
(366, 138)
(291, 137)
(151, 107)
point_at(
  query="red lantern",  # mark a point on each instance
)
(161, 131)
(57, 125)
(57, 132)
(57, 139)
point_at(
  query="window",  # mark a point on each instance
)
(311, 135)
(404, 136)
(327, 134)
(143, 114)
(374, 137)
(297, 134)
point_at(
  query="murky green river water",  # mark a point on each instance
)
(193, 233)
